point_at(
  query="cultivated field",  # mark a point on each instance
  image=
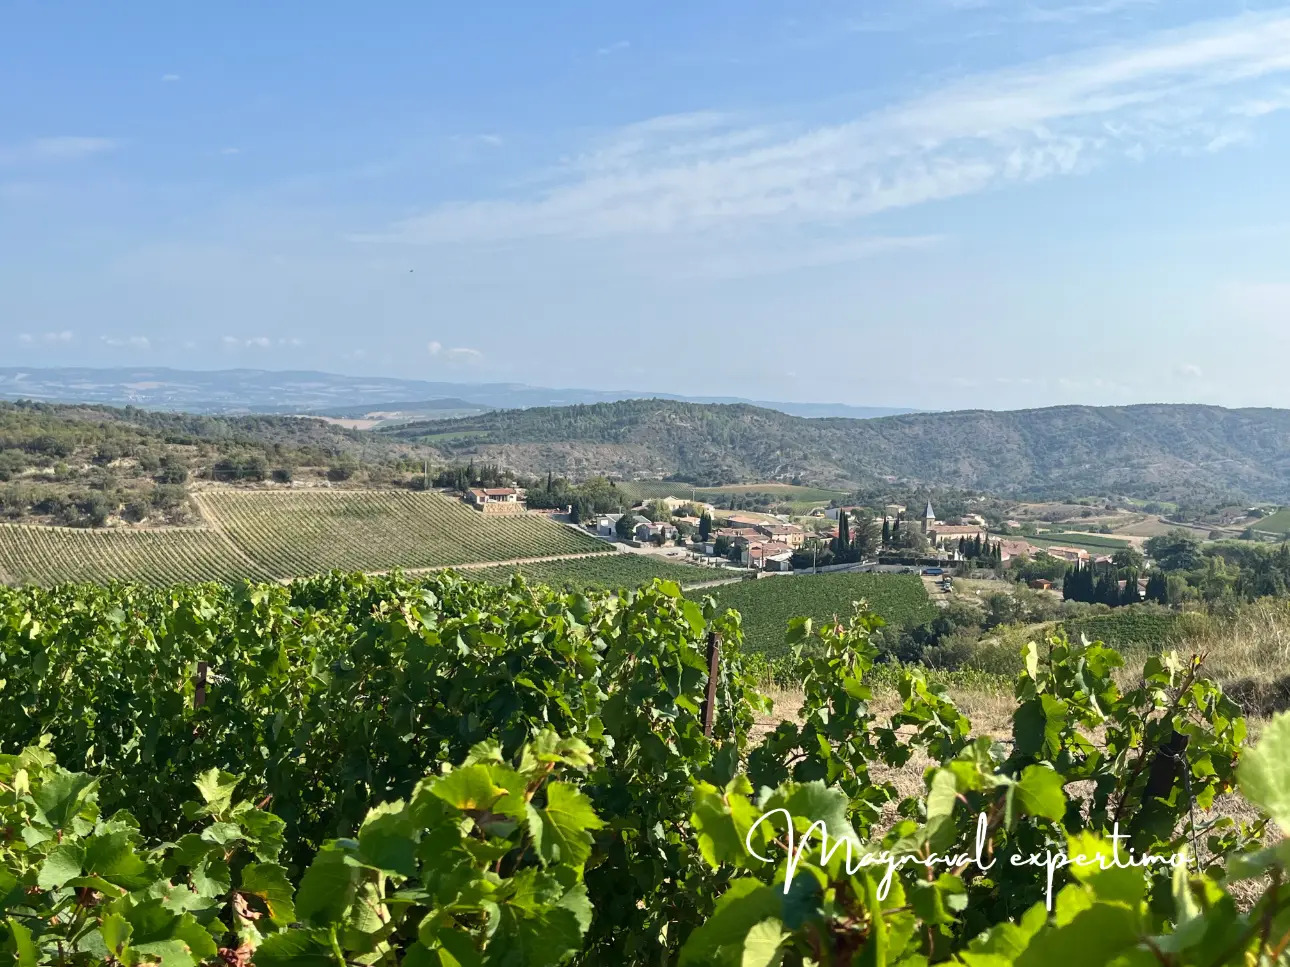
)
(601, 572)
(296, 533)
(35, 554)
(768, 604)
(1278, 523)
(1100, 543)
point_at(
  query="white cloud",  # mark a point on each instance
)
(254, 342)
(133, 342)
(1188, 371)
(47, 150)
(26, 338)
(65, 336)
(464, 354)
(613, 48)
(169, 78)
(230, 151)
(706, 172)
(434, 347)
(1072, 12)
(292, 341)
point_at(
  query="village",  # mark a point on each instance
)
(783, 544)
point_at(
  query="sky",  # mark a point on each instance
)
(925, 203)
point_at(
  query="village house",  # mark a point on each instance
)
(1010, 549)
(607, 525)
(648, 530)
(495, 500)
(835, 513)
(952, 532)
(789, 534)
(742, 520)
(770, 556)
(1072, 555)
(675, 503)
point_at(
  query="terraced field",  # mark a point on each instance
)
(602, 572)
(292, 533)
(33, 554)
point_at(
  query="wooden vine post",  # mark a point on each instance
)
(714, 665)
(199, 685)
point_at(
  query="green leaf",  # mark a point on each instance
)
(764, 944)
(1264, 772)
(562, 833)
(387, 841)
(1091, 939)
(24, 950)
(217, 788)
(1040, 793)
(269, 883)
(720, 939)
(296, 948)
(61, 797)
(327, 889)
(62, 864)
(112, 857)
(115, 931)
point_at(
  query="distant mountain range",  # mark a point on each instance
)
(233, 391)
(1159, 451)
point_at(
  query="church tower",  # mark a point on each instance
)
(929, 517)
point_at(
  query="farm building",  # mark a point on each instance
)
(495, 500)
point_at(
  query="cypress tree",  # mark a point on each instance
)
(1157, 587)
(844, 534)
(1130, 593)
(886, 530)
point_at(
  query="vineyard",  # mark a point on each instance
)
(48, 555)
(296, 533)
(768, 604)
(1278, 523)
(1090, 542)
(603, 572)
(1128, 628)
(380, 771)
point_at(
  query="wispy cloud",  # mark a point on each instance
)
(169, 78)
(1069, 13)
(705, 172)
(230, 151)
(459, 354)
(613, 48)
(128, 342)
(253, 342)
(62, 337)
(47, 150)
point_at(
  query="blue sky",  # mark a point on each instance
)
(931, 203)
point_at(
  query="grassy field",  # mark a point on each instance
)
(295, 532)
(32, 554)
(651, 489)
(1278, 523)
(602, 572)
(768, 604)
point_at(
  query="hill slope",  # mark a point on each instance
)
(1155, 451)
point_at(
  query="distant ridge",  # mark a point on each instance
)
(1152, 451)
(233, 391)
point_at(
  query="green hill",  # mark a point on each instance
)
(1155, 452)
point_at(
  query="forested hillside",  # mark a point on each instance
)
(1159, 451)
